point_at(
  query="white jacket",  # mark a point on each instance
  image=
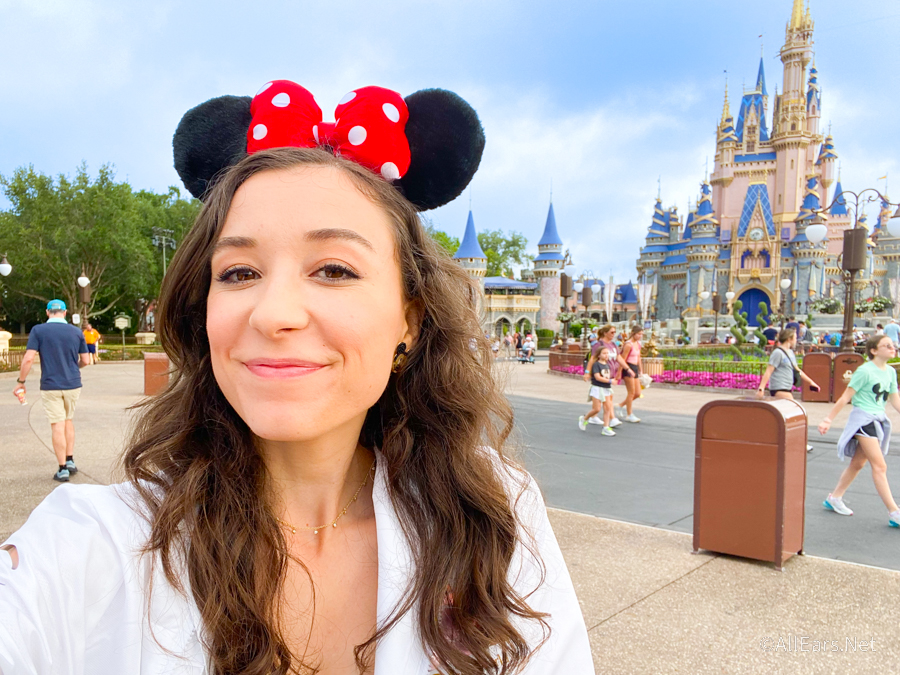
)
(78, 602)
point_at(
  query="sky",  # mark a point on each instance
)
(608, 102)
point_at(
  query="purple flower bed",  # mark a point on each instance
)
(574, 370)
(704, 379)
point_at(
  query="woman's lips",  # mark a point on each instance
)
(282, 368)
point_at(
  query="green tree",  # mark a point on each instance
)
(448, 243)
(58, 228)
(503, 251)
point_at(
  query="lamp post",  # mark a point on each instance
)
(784, 284)
(587, 298)
(163, 238)
(84, 297)
(5, 270)
(854, 251)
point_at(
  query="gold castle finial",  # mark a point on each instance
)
(796, 16)
(726, 111)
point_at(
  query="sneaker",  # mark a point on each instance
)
(62, 476)
(70, 465)
(894, 519)
(606, 431)
(634, 419)
(595, 420)
(581, 423)
(619, 411)
(837, 505)
(614, 422)
(809, 448)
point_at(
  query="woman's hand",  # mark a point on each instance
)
(586, 377)
(759, 394)
(824, 426)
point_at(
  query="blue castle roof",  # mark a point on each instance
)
(704, 209)
(551, 236)
(509, 284)
(810, 202)
(840, 204)
(660, 226)
(813, 91)
(827, 150)
(752, 100)
(470, 248)
(761, 79)
(757, 193)
(625, 293)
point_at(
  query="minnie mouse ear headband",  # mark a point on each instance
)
(428, 145)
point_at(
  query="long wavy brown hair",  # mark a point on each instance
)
(198, 467)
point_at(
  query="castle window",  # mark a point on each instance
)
(792, 164)
(751, 146)
(793, 127)
(779, 200)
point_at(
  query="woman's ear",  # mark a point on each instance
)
(413, 323)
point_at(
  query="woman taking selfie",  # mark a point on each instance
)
(324, 487)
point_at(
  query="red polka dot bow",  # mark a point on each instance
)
(369, 126)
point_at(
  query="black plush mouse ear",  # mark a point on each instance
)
(445, 144)
(209, 138)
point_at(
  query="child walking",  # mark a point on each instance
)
(601, 393)
(868, 432)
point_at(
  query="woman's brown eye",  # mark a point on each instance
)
(243, 275)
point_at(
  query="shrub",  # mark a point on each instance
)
(544, 333)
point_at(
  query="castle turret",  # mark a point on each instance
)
(813, 102)
(469, 254)
(702, 248)
(547, 266)
(809, 258)
(826, 161)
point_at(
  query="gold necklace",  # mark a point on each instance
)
(343, 512)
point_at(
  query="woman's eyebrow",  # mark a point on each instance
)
(328, 233)
(234, 242)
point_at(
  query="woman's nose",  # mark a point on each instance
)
(280, 307)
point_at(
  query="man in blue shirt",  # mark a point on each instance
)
(892, 330)
(63, 351)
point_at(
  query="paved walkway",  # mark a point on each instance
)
(650, 605)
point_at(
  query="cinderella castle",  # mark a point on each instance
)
(746, 236)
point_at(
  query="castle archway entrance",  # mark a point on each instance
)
(750, 300)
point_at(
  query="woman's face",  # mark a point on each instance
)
(610, 336)
(306, 304)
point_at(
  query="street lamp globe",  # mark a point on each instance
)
(729, 295)
(5, 267)
(83, 281)
(578, 286)
(893, 224)
(816, 232)
(704, 295)
(595, 289)
(569, 270)
(785, 284)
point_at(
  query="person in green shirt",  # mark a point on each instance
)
(866, 438)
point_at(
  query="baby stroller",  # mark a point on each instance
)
(522, 356)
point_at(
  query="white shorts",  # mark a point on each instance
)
(601, 392)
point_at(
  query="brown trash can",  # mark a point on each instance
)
(750, 479)
(845, 364)
(156, 372)
(818, 366)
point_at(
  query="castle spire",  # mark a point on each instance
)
(761, 79)
(470, 248)
(796, 15)
(726, 111)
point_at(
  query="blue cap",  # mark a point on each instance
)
(56, 306)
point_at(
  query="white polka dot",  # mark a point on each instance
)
(389, 171)
(264, 87)
(391, 112)
(357, 136)
(316, 132)
(281, 100)
(347, 98)
(260, 131)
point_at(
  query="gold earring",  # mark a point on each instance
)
(399, 358)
